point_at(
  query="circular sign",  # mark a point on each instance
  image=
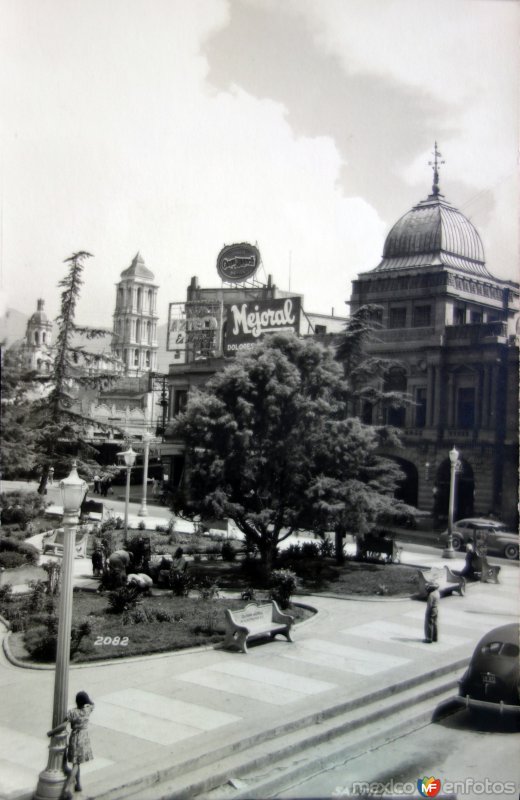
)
(237, 262)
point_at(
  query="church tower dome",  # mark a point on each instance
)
(434, 233)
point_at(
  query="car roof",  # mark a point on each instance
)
(479, 520)
(504, 633)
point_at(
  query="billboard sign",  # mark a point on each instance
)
(247, 322)
(238, 262)
(194, 330)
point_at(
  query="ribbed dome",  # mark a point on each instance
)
(39, 317)
(138, 269)
(434, 233)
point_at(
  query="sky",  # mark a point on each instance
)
(174, 127)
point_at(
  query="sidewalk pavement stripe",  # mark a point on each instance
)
(177, 711)
(272, 677)
(462, 619)
(142, 726)
(267, 685)
(343, 657)
(384, 631)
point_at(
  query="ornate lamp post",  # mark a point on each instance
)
(52, 779)
(129, 457)
(147, 438)
(448, 551)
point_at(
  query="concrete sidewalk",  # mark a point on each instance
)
(163, 711)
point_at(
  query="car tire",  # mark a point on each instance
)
(511, 551)
(457, 542)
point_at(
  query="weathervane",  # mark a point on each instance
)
(435, 164)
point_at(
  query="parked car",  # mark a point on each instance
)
(492, 680)
(489, 533)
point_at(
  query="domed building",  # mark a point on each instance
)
(37, 348)
(451, 328)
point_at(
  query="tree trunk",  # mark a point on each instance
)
(339, 535)
(42, 488)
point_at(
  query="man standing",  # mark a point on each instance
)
(432, 614)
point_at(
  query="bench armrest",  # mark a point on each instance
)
(279, 616)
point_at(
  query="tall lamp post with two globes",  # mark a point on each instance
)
(448, 551)
(129, 457)
(52, 779)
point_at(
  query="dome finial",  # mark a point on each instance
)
(435, 165)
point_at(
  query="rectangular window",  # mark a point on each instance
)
(459, 315)
(466, 408)
(320, 329)
(476, 317)
(422, 316)
(397, 318)
(420, 408)
(180, 401)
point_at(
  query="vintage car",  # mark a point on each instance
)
(486, 534)
(492, 679)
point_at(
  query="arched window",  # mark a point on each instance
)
(136, 358)
(43, 337)
(149, 332)
(36, 337)
(139, 298)
(147, 358)
(120, 296)
(138, 331)
(150, 300)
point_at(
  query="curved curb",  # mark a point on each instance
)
(16, 662)
(359, 598)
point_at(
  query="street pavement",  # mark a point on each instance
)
(156, 712)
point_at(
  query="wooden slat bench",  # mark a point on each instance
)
(256, 621)
(447, 581)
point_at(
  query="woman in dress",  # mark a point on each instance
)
(79, 749)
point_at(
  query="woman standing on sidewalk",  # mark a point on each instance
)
(431, 630)
(79, 749)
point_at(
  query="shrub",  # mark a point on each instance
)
(161, 529)
(41, 640)
(123, 599)
(20, 507)
(283, 584)
(163, 616)
(6, 593)
(29, 553)
(141, 526)
(11, 560)
(207, 589)
(228, 551)
(180, 583)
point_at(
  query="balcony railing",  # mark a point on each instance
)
(476, 332)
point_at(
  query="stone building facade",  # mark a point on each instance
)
(452, 328)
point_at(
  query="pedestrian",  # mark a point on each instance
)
(468, 570)
(79, 749)
(51, 475)
(155, 487)
(179, 563)
(97, 484)
(431, 619)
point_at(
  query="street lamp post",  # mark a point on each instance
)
(147, 438)
(448, 551)
(52, 779)
(129, 458)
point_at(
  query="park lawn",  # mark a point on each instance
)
(194, 622)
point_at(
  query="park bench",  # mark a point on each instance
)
(256, 621)
(92, 510)
(53, 544)
(484, 571)
(378, 548)
(447, 581)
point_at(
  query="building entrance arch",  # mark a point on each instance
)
(408, 488)
(464, 491)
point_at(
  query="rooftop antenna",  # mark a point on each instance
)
(435, 165)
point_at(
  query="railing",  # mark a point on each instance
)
(476, 332)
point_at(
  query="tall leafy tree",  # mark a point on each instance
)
(269, 444)
(60, 429)
(18, 386)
